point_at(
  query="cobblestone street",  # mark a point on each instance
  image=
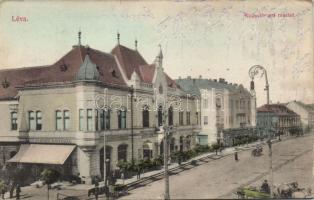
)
(292, 161)
(217, 178)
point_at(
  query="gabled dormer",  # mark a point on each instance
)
(88, 71)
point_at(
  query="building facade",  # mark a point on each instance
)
(306, 112)
(277, 119)
(228, 110)
(92, 105)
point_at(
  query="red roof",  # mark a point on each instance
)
(129, 59)
(278, 109)
(66, 68)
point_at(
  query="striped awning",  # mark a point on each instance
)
(43, 154)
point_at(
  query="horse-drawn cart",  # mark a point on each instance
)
(257, 151)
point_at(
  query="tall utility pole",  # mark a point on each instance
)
(131, 89)
(165, 130)
(254, 71)
(166, 133)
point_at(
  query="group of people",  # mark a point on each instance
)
(11, 187)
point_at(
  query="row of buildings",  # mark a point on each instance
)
(91, 105)
(292, 118)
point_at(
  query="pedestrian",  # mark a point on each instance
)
(11, 189)
(122, 177)
(3, 189)
(265, 187)
(138, 172)
(18, 191)
(236, 156)
(96, 192)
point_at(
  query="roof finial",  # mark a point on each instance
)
(118, 37)
(135, 44)
(79, 37)
(160, 52)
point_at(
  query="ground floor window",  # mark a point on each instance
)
(122, 152)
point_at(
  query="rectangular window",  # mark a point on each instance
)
(13, 120)
(96, 120)
(81, 119)
(31, 120)
(205, 102)
(58, 120)
(102, 119)
(205, 120)
(107, 118)
(66, 119)
(89, 119)
(145, 114)
(188, 119)
(38, 120)
(181, 118)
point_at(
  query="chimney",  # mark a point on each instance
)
(200, 77)
(215, 80)
(189, 77)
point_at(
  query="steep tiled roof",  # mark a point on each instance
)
(129, 59)
(67, 68)
(64, 70)
(278, 109)
(146, 72)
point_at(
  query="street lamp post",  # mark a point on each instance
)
(165, 130)
(254, 71)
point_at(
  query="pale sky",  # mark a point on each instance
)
(209, 38)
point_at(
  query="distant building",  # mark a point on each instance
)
(306, 112)
(228, 110)
(277, 119)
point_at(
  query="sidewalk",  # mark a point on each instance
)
(225, 152)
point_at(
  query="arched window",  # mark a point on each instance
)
(172, 144)
(197, 118)
(13, 120)
(122, 152)
(160, 116)
(145, 114)
(122, 118)
(181, 143)
(170, 116)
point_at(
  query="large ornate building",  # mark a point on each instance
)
(228, 110)
(64, 114)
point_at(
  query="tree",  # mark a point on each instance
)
(49, 176)
(215, 147)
